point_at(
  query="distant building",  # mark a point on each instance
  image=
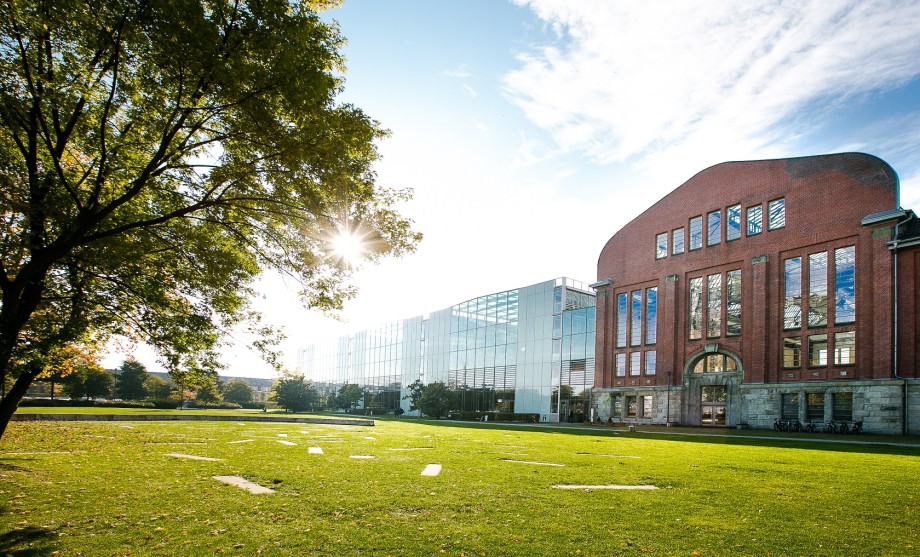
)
(763, 290)
(526, 350)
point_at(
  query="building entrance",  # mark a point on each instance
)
(713, 402)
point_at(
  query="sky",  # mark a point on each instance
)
(531, 131)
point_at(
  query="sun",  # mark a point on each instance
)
(349, 246)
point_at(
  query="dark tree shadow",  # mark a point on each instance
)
(29, 541)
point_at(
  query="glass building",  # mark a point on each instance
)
(527, 350)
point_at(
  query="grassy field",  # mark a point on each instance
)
(104, 488)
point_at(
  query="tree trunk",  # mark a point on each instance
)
(10, 402)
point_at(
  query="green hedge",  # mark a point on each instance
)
(525, 418)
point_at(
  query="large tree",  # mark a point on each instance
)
(131, 381)
(294, 393)
(156, 156)
(238, 391)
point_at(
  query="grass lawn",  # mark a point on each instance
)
(112, 488)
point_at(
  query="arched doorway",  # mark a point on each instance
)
(712, 382)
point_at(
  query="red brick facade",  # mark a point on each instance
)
(825, 200)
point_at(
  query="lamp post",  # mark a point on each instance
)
(667, 420)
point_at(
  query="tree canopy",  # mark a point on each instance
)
(433, 399)
(156, 156)
(238, 391)
(131, 381)
(294, 393)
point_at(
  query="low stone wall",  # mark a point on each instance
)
(184, 418)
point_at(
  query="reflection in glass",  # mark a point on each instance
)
(661, 245)
(777, 214)
(714, 306)
(792, 352)
(845, 348)
(650, 362)
(754, 220)
(651, 315)
(621, 310)
(696, 233)
(733, 303)
(696, 308)
(845, 285)
(621, 364)
(817, 289)
(635, 362)
(792, 279)
(733, 222)
(677, 241)
(635, 337)
(714, 222)
(817, 350)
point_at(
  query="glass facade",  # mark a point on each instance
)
(528, 350)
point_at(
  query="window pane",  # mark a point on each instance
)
(631, 406)
(651, 315)
(714, 222)
(792, 352)
(817, 350)
(792, 311)
(696, 232)
(677, 243)
(845, 348)
(733, 222)
(733, 303)
(817, 289)
(650, 362)
(647, 406)
(790, 406)
(754, 220)
(635, 360)
(777, 214)
(635, 336)
(845, 285)
(621, 320)
(700, 366)
(621, 365)
(714, 307)
(661, 245)
(696, 308)
(814, 407)
(843, 406)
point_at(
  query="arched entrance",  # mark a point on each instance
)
(712, 380)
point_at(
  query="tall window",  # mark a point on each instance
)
(814, 407)
(696, 233)
(677, 241)
(754, 220)
(843, 406)
(733, 222)
(792, 308)
(635, 360)
(790, 406)
(621, 365)
(650, 362)
(792, 352)
(845, 285)
(845, 348)
(817, 350)
(651, 315)
(733, 303)
(696, 308)
(621, 320)
(817, 289)
(635, 337)
(776, 211)
(714, 225)
(714, 306)
(661, 245)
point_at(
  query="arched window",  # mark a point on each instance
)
(715, 362)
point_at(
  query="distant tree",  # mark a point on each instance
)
(156, 157)
(433, 399)
(88, 381)
(348, 396)
(294, 393)
(238, 391)
(209, 391)
(157, 387)
(130, 382)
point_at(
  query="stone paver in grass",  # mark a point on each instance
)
(282, 435)
(243, 483)
(288, 443)
(240, 441)
(531, 462)
(432, 470)
(370, 438)
(361, 456)
(194, 457)
(315, 450)
(589, 487)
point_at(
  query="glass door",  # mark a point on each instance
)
(713, 399)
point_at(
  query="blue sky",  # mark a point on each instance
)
(531, 131)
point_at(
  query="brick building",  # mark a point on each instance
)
(765, 290)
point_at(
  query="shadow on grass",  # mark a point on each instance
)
(867, 444)
(29, 541)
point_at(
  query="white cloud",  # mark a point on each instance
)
(644, 80)
(469, 90)
(460, 72)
